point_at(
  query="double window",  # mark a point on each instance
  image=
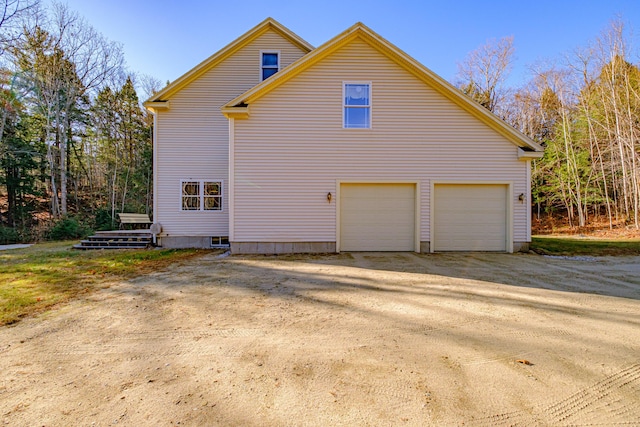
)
(357, 105)
(201, 196)
(270, 63)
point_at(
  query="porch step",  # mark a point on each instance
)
(117, 239)
(143, 232)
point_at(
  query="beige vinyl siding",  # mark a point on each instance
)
(293, 150)
(193, 136)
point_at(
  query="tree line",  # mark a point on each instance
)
(585, 110)
(75, 143)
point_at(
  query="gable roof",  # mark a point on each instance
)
(361, 31)
(222, 54)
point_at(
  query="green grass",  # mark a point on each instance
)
(34, 279)
(585, 246)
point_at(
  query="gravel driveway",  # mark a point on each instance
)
(352, 339)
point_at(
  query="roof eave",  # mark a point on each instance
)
(406, 61)
(155, 106)
(529, 155)
(295, 68)
(227, 51)
(452, 93)
(236, 112)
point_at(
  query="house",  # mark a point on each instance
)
(277, 147)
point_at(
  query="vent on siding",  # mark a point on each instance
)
(220, 242)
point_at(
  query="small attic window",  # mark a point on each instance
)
(270, 63)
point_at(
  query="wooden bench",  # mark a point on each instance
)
(133, 219)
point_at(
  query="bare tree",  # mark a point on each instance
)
(149, 85)
(585, 113)
(620, 101)
(483, 73)
(64, 65)
(12, 13)
(94, 58)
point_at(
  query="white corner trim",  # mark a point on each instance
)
(154, 155)
(231, 179)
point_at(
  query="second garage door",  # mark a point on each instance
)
(377, 217)
(470, 217)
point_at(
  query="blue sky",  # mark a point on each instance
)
(165, 39)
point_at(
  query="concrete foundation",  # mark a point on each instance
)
(282, 247)
(517, 247)
(179, 242)
(183, 242)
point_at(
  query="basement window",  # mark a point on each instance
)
(220, 242)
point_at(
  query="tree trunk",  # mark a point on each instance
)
(63, 175)
(55, 203)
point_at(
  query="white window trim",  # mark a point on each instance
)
(201, 195)
(261, 67)
(370, 106)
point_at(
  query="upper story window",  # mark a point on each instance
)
(270, 63)
(357, 105)
(201, 195)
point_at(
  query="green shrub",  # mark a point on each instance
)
(8, 235)
(103, 220)
(66, 229)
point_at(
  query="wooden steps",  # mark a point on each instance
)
(117, 239)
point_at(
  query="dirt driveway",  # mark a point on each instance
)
(350, 339)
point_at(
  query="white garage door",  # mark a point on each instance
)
(377, 217)
(470, 217)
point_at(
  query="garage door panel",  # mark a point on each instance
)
(463, 221)
(375, 207)
(470, 217)
(377, 217)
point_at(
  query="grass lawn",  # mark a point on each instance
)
(584, 246)
(36, 278)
